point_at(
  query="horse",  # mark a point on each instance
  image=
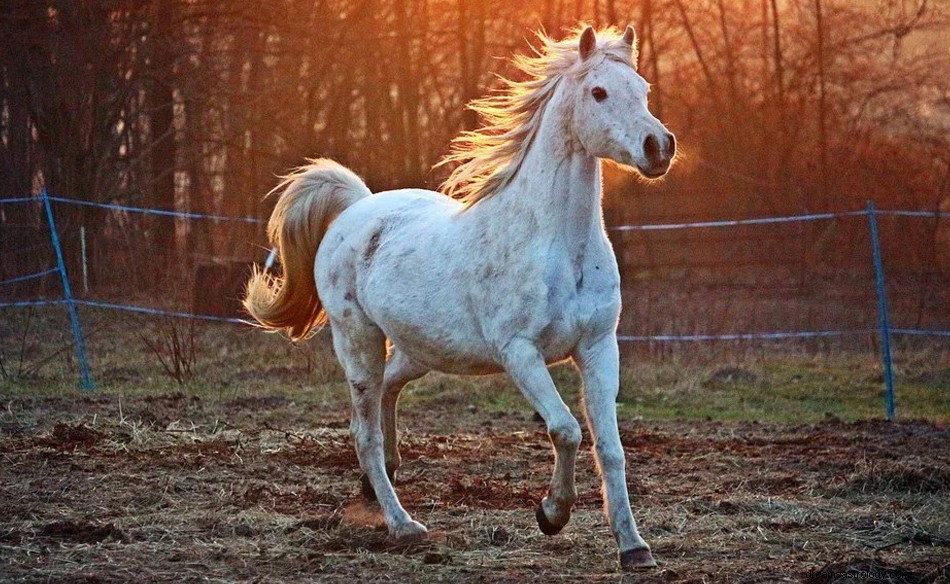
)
(508, 269)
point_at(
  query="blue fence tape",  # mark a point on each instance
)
(149, 211)
(740, 336)
(648, 227)
(899, 213)
(870, 213)
(30, 277)
(622, 338)
(24, 303)
(920, 333)
(774, 335)
(160, 312)
(125, 308)
(737, 222)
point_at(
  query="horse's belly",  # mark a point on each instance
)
(442, 358)
(447, 349)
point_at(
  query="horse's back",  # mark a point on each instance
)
(383, 214)
(394, 206)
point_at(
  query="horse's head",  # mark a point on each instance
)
(610, 115)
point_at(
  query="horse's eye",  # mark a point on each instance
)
(599, 93)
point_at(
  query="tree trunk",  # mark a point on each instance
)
(820, 201)
(163, 136)
(647, 21)
(471, 25)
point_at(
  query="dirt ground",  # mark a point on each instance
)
(180, 488)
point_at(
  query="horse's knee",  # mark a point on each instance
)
(565, 434)
(367, 440)
(610, 457)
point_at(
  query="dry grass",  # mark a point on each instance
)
(779, 381)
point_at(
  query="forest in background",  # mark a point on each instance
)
(779, 106)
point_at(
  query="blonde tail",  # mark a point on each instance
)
(311, 198)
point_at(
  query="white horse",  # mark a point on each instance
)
(515, 275)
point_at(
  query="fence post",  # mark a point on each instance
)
(883, 318)
(78, 342)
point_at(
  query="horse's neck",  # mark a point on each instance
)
(556, 192)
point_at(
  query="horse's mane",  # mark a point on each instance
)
(489, 157)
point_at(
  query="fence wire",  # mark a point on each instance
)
(870, 213)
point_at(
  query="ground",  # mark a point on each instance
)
(227, 459)
(175, 488)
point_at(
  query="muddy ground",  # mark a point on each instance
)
(181, 488)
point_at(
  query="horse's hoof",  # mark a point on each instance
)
(410, 532)
(637, 559)
(547, 528)
(366, 488)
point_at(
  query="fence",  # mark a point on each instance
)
(884, 330)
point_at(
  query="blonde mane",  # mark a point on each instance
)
(489, 157)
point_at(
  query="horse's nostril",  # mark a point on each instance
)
(651, 148)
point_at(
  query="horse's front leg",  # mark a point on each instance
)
(599, 363)
(526, 366)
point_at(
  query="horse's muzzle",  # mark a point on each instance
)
(658, 152)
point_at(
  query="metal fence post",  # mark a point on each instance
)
(883, 318)
(78, 342)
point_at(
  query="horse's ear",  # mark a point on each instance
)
(588, 43)
(629, 36)
(630, 39)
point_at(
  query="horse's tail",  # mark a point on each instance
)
(311, 198)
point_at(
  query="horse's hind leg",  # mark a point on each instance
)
(361, 351)
(526, 366)
(400, 370)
